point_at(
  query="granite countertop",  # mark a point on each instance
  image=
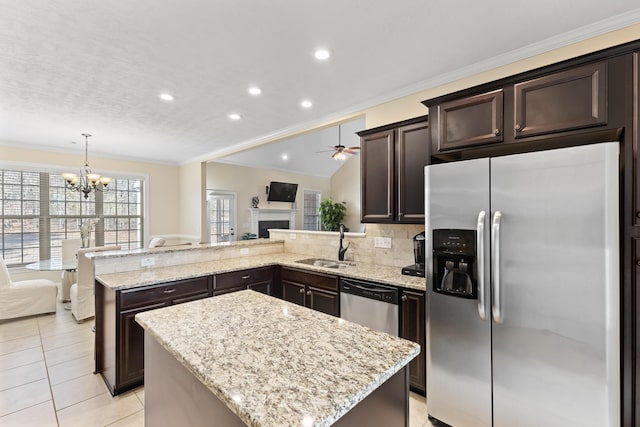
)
(377, 273)
(275, 363)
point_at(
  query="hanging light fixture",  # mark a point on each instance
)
(86, 182)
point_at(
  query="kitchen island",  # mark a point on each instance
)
(250, 359)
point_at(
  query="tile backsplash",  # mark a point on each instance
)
(361, 248)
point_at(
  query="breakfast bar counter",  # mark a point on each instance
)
(249, 359)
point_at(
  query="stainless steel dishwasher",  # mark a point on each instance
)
(370, 304)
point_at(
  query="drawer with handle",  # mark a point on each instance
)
(234, 279)
(172, 290)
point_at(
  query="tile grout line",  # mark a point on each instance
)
(46, 367)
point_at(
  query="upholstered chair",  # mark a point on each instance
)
(82, 293)
(69, 255)
(25, 297)
(156, 242)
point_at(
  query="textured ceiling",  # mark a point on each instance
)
(68, 67)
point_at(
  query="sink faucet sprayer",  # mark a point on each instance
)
(342, 250)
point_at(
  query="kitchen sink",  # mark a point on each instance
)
(327, 263)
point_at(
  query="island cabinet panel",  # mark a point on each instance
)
(313, 290)
(474, 120)
(392, 164)
(119, 338)
(412, 327)
(636, 140)
(571, 99)
(258, 279)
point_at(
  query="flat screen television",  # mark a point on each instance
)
(282, 192)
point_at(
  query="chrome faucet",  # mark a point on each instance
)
(342, 250)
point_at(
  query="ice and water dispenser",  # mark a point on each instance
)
(454, 263)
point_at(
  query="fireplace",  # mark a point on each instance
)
(277, 218)
(263, 226)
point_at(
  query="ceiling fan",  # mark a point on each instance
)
(340, 150)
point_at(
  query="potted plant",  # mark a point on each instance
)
(332, 214)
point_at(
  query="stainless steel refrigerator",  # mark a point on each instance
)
(523, 289)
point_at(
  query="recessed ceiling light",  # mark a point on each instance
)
(166, 97)
(234, 116)
(322, 54)
(306, 104)
(254, 90)
(285, 157)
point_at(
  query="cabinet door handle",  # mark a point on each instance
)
(496, 132)
(638, 262)
(302, 291)
(404, 298)
(309, 293)
(518, 128)
(169, 291)
(248, 276)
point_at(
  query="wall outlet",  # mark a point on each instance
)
(244, 251)
(292, 236)
(147, 262)
(382, 242)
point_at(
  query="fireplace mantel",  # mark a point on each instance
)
(258, 215)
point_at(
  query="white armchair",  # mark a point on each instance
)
(69, 253)
(26, 297)
(82, 293)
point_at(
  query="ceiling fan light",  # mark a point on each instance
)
(339, 156)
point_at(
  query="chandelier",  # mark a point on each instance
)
(86, 182)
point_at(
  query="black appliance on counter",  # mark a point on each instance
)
(417, 269)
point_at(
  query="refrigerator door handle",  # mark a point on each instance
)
(496, 304)
(480, 239)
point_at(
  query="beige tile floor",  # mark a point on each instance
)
(46, 379)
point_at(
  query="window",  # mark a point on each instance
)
(38, 212)
(311, 219)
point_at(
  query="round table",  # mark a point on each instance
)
(68, 268)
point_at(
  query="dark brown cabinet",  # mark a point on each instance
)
(392, 164)
(571, 99)
(313, 290)
(377, 176)
(636, 141)
(412, 327)
(469, 121)
(258, 279)
(119, 338)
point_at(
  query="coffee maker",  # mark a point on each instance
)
(419, 245)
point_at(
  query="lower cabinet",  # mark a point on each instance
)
(412, 327)
(119, 338)
(258, 279)
(313, 290)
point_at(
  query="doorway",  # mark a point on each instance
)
(221, 211)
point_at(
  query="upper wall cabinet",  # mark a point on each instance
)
(392, 164)
(522, 113)
(474, 120)
(567, 100)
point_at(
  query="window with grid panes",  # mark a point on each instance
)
(38, 212)
(20, 214)
(122, 213)
(311, 217)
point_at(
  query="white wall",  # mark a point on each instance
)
(248, 182)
